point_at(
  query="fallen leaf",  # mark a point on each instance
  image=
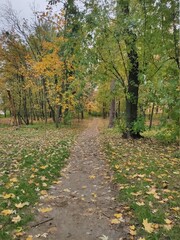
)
(43, 192)
(176, 209)
(104, 237)
(167, 227)
(132, 232)
(6, 212)
(115, 221)
(44, 167)
(137, 193)
(92, 177)
(21, 205)
(19, 234)
(10, 195)
(94, 195)
(14, 180)
(140, 203)
(118, 215)
(167, 221)
(132, 227)
(66, 190)
(148, 226)
(16, 219)
(30, 237)
(44, 210)
(44, 235)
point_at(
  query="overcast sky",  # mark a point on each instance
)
(23, 7)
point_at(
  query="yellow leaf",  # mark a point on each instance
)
(117, 166)
(118, 215)
(94, 195)
(21, 205)
(44, 210)
(137, 193)
(10, 195)
(151, 191)
(16, 219)
(43, 192)
(19, 234)
(6, 212)
(141, 238)
(14, 180)
(43, 178)
(176, 209)
(44, 167)
(167, 221)
(132, 227)
(148, 226)
(92, 177)
(167, 227)
(140, 203)
(66, 190)
(132, 232)
(30, 237)
(115, 221)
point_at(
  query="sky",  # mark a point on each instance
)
(23, 7)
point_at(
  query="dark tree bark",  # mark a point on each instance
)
(104, 110)
(132, 93)
(151, 116)
(133, 87)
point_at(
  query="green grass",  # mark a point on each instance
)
(30, 161)
(147, 175)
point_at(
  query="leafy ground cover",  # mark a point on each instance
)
(30, 161)
(146, 174)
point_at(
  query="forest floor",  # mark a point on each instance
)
(107, 188)
(83, 204)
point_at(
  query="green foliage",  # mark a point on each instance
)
(168, 134)
(67, 118)
(139, 125)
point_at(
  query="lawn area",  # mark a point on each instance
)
(147, 176)
(30, 161)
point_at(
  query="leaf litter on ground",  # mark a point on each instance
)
(31, 160)
(146, 174)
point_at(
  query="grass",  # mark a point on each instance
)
(146, 174)
(31, 158)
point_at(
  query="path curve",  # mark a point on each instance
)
(84, 201)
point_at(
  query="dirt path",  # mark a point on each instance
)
(83, 202)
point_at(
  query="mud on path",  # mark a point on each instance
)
(83, 203)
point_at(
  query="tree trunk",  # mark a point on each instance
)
(82, 114)
(133, 87)
(112, 112)
(13, 109)
(151, 116)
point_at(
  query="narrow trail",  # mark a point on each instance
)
(83, 202)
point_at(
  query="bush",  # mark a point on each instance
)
(139, 125)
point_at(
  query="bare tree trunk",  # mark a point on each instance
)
(13, 109)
